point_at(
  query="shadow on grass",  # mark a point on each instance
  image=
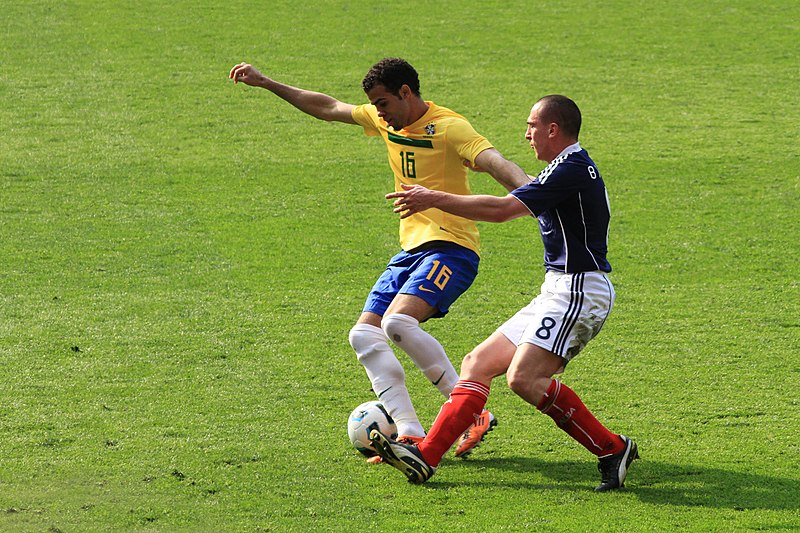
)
(651, 482)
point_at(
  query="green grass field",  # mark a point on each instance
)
(182, 260)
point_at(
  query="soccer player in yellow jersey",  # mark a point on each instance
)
(427, 145)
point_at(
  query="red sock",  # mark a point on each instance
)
(456, 415)
(565, 407)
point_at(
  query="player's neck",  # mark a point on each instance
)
(418, 110)
(557, 148)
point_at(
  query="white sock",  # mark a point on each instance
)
(423, 349)
(387, 377)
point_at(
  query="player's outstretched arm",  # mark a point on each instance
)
(319, 105)
(507, 173)
(416, 198)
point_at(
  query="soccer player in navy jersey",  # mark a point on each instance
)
(570, 202)
(430, 145)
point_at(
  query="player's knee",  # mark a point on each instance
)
(373, 352)
(469, 363)
(366, 339)
(516, 382)
(473, 368)
(529, 388)
(397, 326)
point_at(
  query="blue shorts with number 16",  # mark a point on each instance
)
(438, 272)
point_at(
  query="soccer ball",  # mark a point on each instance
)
(365, 418)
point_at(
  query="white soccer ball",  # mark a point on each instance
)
(365, 418)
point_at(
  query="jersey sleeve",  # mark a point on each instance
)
(550, 189)
(468, 142)
(366, 116)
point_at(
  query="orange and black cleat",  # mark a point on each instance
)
(474, 434)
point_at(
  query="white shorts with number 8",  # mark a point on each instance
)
(569, 312)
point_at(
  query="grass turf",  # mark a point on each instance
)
(182, 260)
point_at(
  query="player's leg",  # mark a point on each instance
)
(570, 311)
(466, 403)
(435, 280)
(438, 278)
(427, 353)
(373, 351)
(529, 376)
(567, 314)
(385, 373)
(402, 326)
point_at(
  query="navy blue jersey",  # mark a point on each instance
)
(570, 201)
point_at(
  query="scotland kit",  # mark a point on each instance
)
(569, 200)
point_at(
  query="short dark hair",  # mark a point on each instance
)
(563, 111)
(392, 73)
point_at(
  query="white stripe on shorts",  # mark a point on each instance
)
(569, 311)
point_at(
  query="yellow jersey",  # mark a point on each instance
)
(430, 152)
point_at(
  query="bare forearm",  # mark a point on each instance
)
(480, 207)
(510, 175)
(505, 172)
(415, 199)
(316, 104)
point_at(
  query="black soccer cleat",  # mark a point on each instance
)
(404, 457)
(614, 468)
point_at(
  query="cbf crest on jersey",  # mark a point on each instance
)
(430, 129)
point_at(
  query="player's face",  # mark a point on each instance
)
(394, 109)
(538, 135)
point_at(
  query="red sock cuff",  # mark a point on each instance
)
(549, 397)
(474, 387)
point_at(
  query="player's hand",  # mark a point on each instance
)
(412, 199)
(247, 74)
(475, 168)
